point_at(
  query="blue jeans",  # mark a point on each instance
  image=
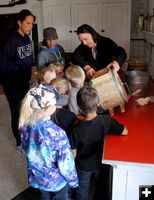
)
(82, 191)
(59, 195)
(101, 180)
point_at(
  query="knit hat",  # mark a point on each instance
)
(43, 96)
(50, 33)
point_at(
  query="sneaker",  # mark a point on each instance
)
(20, 150)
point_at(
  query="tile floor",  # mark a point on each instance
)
(13, 165)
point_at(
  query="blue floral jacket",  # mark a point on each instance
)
(50, 161)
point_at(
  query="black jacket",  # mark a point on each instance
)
(107, 51)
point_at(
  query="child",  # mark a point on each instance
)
(50, 160)
(46, 75)
(58, 67)
(63, 117)
(62, 85)
(76, 76)
(87, 140)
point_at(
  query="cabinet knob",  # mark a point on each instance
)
(102, 31)
(70, 31)
(75, 31)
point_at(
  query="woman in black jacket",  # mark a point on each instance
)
(96, 52)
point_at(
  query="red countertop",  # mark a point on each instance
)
(138, 145)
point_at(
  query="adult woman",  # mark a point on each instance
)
(50, 51)
(96, 52)
(15, 66)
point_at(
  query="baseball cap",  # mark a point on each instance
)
(50, 33)
(43, 96)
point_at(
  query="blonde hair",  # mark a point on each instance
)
(27, 114)
(62, 85)
(56, 66)
(75, 74)
(42, 72)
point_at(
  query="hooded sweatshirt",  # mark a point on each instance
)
(47, 56)
(15, 60)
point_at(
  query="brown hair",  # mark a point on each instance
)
(85, 28)
(21, 16)
(87, 100)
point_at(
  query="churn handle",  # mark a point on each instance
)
(131, 94)
(127, 87)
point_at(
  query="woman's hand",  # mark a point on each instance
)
(89, 71)
(115, 65)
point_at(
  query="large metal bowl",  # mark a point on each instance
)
(137, 80)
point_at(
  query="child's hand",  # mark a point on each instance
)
(50, 110)
(80, 117)
(46, 112)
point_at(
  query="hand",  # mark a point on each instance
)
(49, 111)
(115, 65)
(80, 117)
(89, 71)
(125, 131)
(46, 112)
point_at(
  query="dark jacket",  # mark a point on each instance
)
(15, 60)
(107, 51)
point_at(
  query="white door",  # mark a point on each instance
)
(84, 13)
(115, 23)
(58, 16)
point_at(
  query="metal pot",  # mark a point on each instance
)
(137, 80)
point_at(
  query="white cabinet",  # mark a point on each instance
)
(66, 15)
(128, 177)
(115, 22)
(57, 15)
(84, 13)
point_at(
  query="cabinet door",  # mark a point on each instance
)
(137, 179)
(128, 178)
(57, 15)
(84, 13)
(115, 23)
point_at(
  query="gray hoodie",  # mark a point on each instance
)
(47, 56)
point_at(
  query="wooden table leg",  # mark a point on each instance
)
(111, 111)
(122, 107)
